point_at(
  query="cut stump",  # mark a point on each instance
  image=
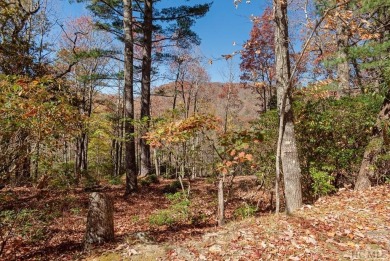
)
(100, 220)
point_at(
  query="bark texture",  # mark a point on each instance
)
(145, 84)
(287, 144)
(81, 160)
(342, 65)
(221, 203)
(130, 159)
(100, 220)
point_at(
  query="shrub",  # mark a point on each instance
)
(144, 183)
(322, 182)
(172, 187)
(161, 218)
(150, 179)
(63, 177)
(115, 180)
(330, 133)
(265, 151)
(245, 211)
(177, 212)
(153, 179)
(334, 133)
(30, 224)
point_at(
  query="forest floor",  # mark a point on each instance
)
(50, 225)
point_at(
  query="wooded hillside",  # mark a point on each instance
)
(115, 135)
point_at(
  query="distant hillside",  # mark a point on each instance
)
(208, 98)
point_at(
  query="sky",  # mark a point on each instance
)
(223, 31)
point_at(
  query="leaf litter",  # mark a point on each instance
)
(344, 226)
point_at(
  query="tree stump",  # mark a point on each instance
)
(100, 220)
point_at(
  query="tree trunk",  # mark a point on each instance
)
(175, 90)
(100, 220)
(290, 166)
(81, 156)
(374, 147)
(287, 148)
(117, 142)
(358, 75)
(156, 162)
(23, 171)
(130, 159)
(145, 84)
(221, 203)
(342, 65)
(22, 159)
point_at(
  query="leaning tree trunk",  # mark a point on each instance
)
(374, 147)
(145, 84)
(287, 147)
(130, 159)
(100, 220)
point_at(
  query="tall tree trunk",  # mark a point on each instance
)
(196, 98)
(374, 147)
(176, 83)
(145, 84)
(287, 148)
(183, 96)
(37, 156)
(221, 203)
(342, 65)
(156, 162)
(130, 159)
(81, 156)
(117, 141)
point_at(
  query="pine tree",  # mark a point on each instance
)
(171, 24)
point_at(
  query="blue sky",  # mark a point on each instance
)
(219, 29)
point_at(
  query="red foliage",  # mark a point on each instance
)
(258, 54)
